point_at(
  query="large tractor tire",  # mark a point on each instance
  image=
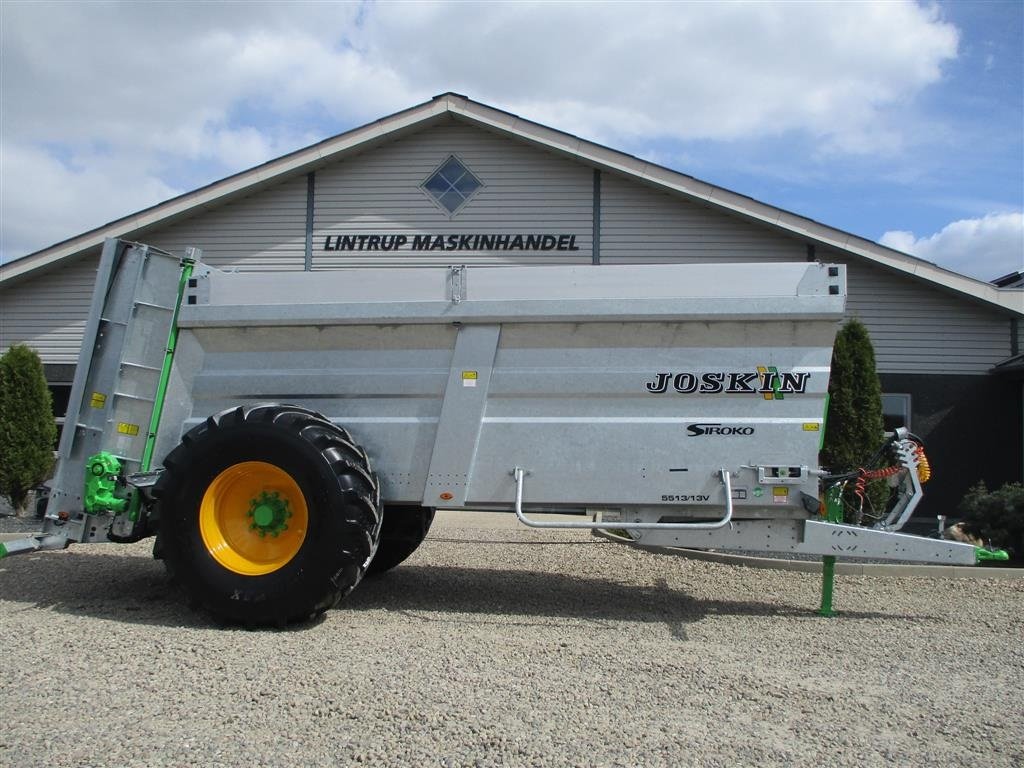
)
(268, 514)
(403, 531)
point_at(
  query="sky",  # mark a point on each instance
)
(900, 122)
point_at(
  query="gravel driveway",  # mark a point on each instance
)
(505, 646)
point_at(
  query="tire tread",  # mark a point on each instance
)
(356, 501)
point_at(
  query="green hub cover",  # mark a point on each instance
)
(269, 513)
(263, 515)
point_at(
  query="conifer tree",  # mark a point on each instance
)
(854, 429)
(27, 428)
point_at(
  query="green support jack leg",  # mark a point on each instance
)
(834, 514)
(828, 577)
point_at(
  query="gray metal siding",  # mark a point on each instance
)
(915, 328)
(48, 312)
(264, 232)
(919, 329)
(525, 191)
(642, 225)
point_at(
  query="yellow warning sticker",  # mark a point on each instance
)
(98, 400)
(780, 495)
(469, 378)
(128, 429)
(812, 426)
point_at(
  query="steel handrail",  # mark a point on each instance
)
(518, 473)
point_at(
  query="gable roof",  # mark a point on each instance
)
(453, 105)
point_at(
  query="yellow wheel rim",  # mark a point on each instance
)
(253, 518)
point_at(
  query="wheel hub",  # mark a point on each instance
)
(268, 513)
(242, 505)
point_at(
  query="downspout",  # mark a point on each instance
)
(595, 239)
(310, 193)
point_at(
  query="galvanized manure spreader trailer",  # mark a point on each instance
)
(283, 434)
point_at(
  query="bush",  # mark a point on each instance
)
(27, 428)
(996, 517)
(854, 430)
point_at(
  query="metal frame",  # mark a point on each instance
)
(518, 473)
(911, 496)
(120, 382)
(579, 293)
(812, 537)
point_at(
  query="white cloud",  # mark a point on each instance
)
(710, 70)
(984, 248)
(66, 199)
(141, 91)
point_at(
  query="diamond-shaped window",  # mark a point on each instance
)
(452, 184)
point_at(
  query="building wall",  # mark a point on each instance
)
(919, 329)
(263, 232)
(48, 311)
(524, 191)
(642, 225)
(915, 328)
(971, 428)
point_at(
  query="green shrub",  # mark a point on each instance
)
(996, 517)
(27, 428)
(854, 430)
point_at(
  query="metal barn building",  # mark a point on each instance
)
(453, 181)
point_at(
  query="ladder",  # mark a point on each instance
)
(125, 346)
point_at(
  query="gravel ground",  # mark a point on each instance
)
(505, 646)
(19, 525)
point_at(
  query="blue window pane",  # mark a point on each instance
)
(452, 184)
(436, 185)
(451, 200)
(452, 170)
(468, 184)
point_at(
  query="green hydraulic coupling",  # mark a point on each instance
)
(102, 473)
(834, 503)
(981, 553)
